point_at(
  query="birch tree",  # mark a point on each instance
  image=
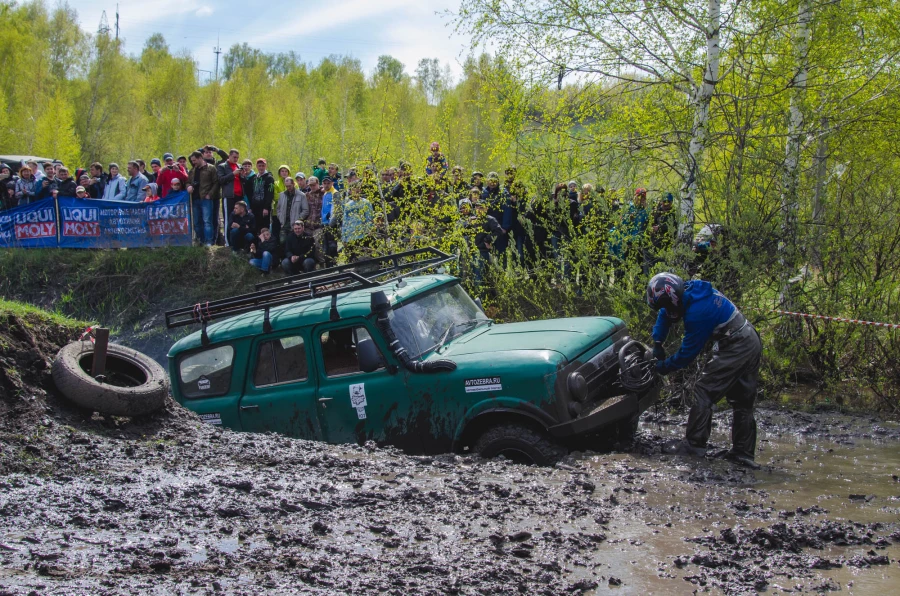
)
(676, 43)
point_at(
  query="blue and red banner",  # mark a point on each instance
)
(69, 222)
(29, 226)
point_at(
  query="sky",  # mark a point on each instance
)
(364, 29)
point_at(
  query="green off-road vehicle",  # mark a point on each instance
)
(381, 351)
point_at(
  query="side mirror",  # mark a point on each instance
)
(369, 357)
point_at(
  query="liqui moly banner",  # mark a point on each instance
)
(29, 226)
(90, 223)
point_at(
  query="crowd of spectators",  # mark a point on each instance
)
(303, 222)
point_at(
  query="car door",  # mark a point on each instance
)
(210, 384)
(356, 406)
(280, 391)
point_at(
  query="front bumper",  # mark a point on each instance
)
(615, 409)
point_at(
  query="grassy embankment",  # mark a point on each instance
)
(126, 290)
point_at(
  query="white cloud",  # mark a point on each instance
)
(204, 11)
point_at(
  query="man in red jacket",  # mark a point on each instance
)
(170, 172)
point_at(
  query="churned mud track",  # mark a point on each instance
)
(165, 505)
(169, 505)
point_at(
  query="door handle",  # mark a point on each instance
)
(245, 408)
(324, 399)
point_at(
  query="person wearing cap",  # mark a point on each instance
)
(136, 181)
(150, 192)
(115, 186)
(171, 171)
(203, 186)
(81, 193)
(262, 195)
(292, 205)
(299, 251)
(182, 161)
(155, 167)
(302, 184)
(477, 180)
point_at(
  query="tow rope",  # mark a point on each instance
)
(827, 318)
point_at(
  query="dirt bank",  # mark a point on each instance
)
(167, 504)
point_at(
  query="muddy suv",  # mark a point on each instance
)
(359, 353)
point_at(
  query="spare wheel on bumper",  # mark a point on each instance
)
(133, 384)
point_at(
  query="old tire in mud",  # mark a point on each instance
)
(519, 443)
(134, 384)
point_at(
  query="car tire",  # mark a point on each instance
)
(519, 443)
(134, 385)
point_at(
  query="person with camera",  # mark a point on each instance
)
(171, 171)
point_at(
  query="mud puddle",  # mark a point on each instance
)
(180, 507)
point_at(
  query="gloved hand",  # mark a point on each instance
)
(658, 351)
(661, 369)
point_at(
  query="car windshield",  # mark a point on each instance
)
(432, 320)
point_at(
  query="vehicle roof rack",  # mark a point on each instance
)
(309, 286)
(378, 269)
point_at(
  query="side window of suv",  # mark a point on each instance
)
(339, 350)
(281, 360)
(206, 373)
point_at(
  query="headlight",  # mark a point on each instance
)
(577, 386)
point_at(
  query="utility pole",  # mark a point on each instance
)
(103, 29)
(117, 22)
(217, 50)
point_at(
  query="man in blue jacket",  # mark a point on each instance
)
(732, 371)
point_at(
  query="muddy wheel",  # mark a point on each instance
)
(520, 444)
(133, 385)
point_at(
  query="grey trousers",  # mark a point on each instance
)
(732, 372)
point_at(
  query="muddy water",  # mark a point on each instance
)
(803, 477)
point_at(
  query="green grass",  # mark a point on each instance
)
(27, 313)
(121, 288)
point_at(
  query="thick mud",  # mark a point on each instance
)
(167, 505)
